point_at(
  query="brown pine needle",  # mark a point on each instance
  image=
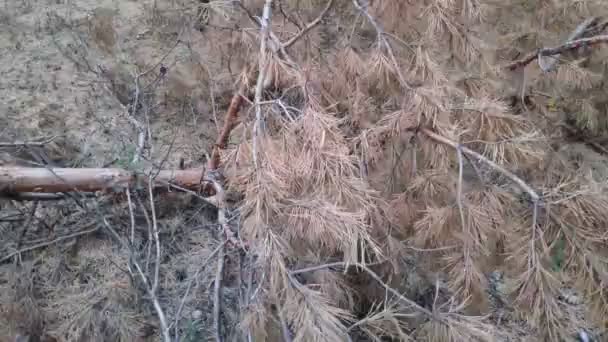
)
(376, 277)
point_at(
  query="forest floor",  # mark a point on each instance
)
(69, 71)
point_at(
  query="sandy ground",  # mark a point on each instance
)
(67, 66)
(68, 73)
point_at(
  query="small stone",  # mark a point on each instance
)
(197, 314)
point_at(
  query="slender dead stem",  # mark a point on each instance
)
(580, 30)
(274, 43)
(32, 196)
(284, 327)
(259, 87)
(153, 297)
(48, 243)
(40, 142)
(26, 224)
(382, 41)
(459, 187)
(141, 129)
(149, 225)
(131, 215)
(217, 288)
(161, 317)
(189, 286)
(156, 240)
(534, 197)
(217, 294)
(309, 27)
(443, 140)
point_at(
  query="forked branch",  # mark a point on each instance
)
(310, 26)
(443, 140)
(534, 197)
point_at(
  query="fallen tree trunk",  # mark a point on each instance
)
(54, 180)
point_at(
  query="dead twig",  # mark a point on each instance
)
(578, 33)
(217, 288)
(263, 63)
(274, 43)
(287, 16)
(37, 143)
(308, 27)
(128, 191)
(459, 188)
(141, 129)
(150, 289)
(31, 196)
(284, 327)
(217, 294)
(572, 45)
(189, 286)
(48, 243)
(362, 8)
(26, 224)
(443, 140)
(156, 237)
(534, 197)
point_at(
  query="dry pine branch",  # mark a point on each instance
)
(571, 45)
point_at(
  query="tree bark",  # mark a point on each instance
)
(53, 180)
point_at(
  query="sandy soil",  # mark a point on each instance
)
(69, 70)
(67, 66)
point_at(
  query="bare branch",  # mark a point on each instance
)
(131, 116)
(576, 34)
(534, 197)
(284, 327)
(259, 87)
(32, 196)
(443, 140)
(156, 237)
(217, 293)
(189, 286)
(309, 27)
(131, 215)
(572, 45)
(153, 297)
(41, 142)
(48, 243)
(459, 188)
